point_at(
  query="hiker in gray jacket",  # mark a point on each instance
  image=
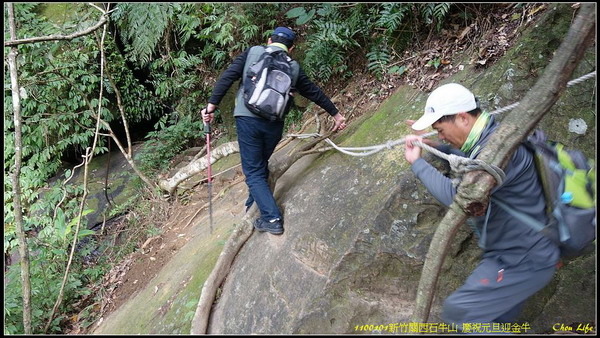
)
(258, 137)
(517, 261)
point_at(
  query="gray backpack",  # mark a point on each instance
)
(267, 85)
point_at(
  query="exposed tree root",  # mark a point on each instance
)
(198, 166)
(236, 241)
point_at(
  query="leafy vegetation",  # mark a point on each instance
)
(170, 138)
(337, 32)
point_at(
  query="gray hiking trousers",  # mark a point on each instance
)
(494, 293)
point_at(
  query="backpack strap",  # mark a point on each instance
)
(253, 55)
(483, 233)
(532, 222)
(293, 64)
(523, 217)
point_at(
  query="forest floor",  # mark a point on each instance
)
(430, 60)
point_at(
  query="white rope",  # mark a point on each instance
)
(462, 165)
(581, 79)
(370, 150)
(569, 84)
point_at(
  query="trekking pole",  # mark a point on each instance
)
(209, 173)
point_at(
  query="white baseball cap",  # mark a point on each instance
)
(448, 99)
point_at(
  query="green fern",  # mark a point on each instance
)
(187, 22)
(143, 25)
(378, 59)
(440, 11)
(323, 61)
(335, 36)
(435, 12)
(392, 15)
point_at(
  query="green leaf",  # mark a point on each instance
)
(75, 220)
(58, 252)
(306, 18)
(60, 223)
(86, 232)
(295, 12)
(397, 70)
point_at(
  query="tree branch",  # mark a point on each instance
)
(15, 42)
(198, 165)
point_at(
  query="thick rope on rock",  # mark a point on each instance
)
(370, 150)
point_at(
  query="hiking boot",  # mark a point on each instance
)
(273, 226)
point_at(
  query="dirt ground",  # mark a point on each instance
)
(178, 218)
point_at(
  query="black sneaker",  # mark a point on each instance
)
(273, 226)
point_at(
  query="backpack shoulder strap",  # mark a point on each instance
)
(253, 55)
(295, 72)
(294, 65)
(255, 52)
(533, 223)
(530, 221)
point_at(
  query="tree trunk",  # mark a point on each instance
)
(23, 249)
(473, 192)
(198, 166)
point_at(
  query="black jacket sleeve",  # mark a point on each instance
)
(233, 73)
(312, 92)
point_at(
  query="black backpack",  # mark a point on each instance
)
(267, 85)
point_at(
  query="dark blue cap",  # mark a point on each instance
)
(285, 32)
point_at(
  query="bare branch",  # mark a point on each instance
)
(87, 31)
(96, 7)
(198, 165)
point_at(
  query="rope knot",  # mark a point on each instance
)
(462, 165)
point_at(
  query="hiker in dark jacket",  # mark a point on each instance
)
(517, 261)
(257, 137)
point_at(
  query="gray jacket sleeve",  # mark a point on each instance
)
(437, 184)
(441, 186)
